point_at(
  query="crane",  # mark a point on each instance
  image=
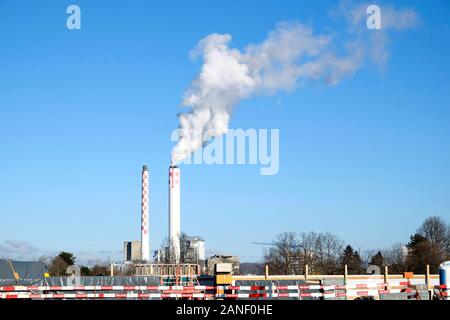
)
(265, 243)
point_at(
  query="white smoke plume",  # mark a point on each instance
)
(392, 18)
(291, 54)
(375, 43)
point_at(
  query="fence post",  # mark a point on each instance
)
(385, 280)
(267, 272)
(427, 282)
(345, 280)
(345, 274)
(306, 272)
(386, 276)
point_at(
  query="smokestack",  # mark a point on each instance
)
(145, 236)
(174, 213)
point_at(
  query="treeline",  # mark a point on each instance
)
(325, 253)
(58, 266)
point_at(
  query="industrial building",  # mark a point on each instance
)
(132, 251)
(184, 254)
(194, 250)
(27, 272)
(222, 259)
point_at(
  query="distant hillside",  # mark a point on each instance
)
(252, 268)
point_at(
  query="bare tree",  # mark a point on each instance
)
(58, 267)
(47, 260)
(168, 254)
(435, 230)
(165, 253)
(100, 270)
(395, 258)
(366, 256)
(328, 249)
(307, 251)
(291, 252)
(280, 258)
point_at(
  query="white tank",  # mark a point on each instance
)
(201, 250)
(444, 276)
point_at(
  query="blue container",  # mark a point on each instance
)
(444, 276)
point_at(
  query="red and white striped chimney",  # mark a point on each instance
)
(174, 213)
(145, 236)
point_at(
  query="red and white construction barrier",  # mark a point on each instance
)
(127, 295)
(310, 294)
(103, 288)
(442, 290)
(123, 292)
(315, 287)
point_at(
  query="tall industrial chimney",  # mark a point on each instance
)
(174, 213)
(145, 236)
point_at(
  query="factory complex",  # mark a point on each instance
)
(183, 254)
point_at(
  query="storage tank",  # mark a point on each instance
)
(444, 277)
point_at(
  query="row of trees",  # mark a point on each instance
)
(325, 253)
(58, 266)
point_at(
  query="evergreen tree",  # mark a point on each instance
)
(377, 259)
(421, 252)
(352, 259)
(85, 271)
(414, 240)
(68, 257)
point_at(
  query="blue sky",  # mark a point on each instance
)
(82, 110)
